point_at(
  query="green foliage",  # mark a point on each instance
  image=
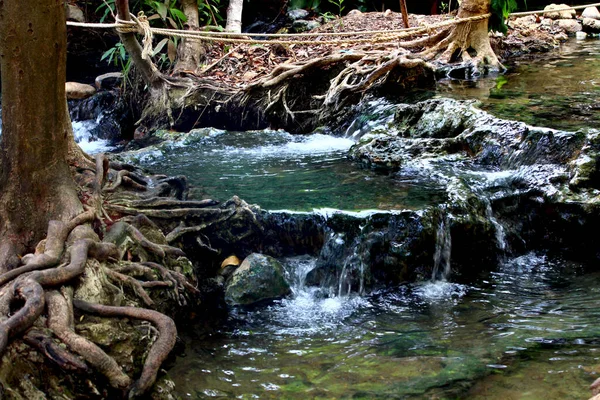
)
(305, 4)
(117, 56)
(500, 11)
(210, 12)
(328, 16)
(339, 4)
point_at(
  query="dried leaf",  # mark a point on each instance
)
(172, 51)
(248, 76)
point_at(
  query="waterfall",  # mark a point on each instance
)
(443, 248)
(500, 233)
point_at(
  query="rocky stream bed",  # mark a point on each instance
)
(420, 248)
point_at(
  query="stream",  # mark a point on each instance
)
(527, 329)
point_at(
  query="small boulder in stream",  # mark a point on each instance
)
(258, 278)
(78, 91)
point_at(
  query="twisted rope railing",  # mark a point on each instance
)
(141, 26)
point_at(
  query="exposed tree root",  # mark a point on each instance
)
(32, 287)
(159, 350)
(58, 316)
(46, 345)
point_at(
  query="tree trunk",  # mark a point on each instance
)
(471, 41)
(35, 181)
(234, 16)
(191, 51)
(147, 69)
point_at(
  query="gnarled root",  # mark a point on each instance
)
(467, 42)
(58, 321)
(32, 293)
(44, 343)
(160, 349)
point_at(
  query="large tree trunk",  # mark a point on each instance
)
(35, 182)
(467, 42)
(191, 51)
(234, 16)
(471, 40)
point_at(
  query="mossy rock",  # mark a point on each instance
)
(259, 278)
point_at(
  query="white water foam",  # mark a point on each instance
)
(83, 137)
(309, 310)
(298, 145)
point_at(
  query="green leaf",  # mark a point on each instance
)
(122, 52)
(178, 15)
(107, 53)
(161, 9)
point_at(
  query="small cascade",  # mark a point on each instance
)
(443, 248)
(297, 268)
(500, 232)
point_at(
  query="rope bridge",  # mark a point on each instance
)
(141, 25)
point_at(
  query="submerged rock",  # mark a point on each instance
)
(528, 184)
(258, 278)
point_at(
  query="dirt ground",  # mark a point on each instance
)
(237, 65)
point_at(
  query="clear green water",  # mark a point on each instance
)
(277, 170)
(559, 91)
(527, 331)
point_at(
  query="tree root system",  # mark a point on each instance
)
(133, 268)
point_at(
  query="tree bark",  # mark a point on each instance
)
(234, 16)
(35, 181)
(471, 40)
(191, 51)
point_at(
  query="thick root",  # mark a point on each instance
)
(58, 321)
(54, 352)
(32, 293)
(161, 347)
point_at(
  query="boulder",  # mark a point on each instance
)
(302, 25)
(523, 23)
(74, 13)
(294, 15)
(258, 278)
(108, 80)
(553, 11)
(78, 91)
(569, 25)
(591, 12)
(591, 25)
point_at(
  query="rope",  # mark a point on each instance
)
(141, 25)
(521, 14)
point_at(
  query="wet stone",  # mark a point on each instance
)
(258, 278)
(304, 26)
(591, 12)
